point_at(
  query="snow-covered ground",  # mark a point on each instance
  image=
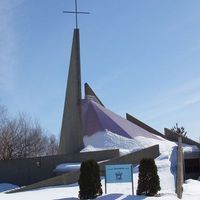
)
(166, 164)
(115, 192)
(7, 186)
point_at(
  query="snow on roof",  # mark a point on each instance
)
(98, 118)
(107, 140)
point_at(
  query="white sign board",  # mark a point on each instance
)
(118, 174)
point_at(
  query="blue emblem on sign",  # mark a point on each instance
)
(118, 175)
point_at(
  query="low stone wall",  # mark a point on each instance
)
(133, 158)
(72, 177)
(172, 136)
(31, 170)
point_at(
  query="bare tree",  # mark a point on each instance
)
(3, 115)
(21, 137)
(52, 148)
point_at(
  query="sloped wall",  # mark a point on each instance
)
(72, 177)
(31, 170)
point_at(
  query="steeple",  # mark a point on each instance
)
(71, 139)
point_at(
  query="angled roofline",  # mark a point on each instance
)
(173, 136)
(143, 125)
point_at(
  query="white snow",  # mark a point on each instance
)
(166, 164)
(67, 167)
(191, 186)
(108, 140)
(91, 148)
(7, 186)
(189, 148)
(115, 192)
(191, 189)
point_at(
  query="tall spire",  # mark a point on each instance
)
(71, 139)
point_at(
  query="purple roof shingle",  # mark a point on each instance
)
(98, 118)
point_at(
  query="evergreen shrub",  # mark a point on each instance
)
(89, 180)
(148, 182)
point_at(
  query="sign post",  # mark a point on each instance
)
(118, 174)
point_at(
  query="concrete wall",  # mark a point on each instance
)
(174, 137)
(133, 158)
(72, 177)
(71, 139)
(31, 170)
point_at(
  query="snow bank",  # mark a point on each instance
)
(191, 187)
(67, 167)
(108, 140)
(189, 148)
(166, 162)
(7, 186)
(89, 148)
(115, 192)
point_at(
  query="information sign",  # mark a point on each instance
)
(122, 173)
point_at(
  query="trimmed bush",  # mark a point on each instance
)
(148, 182)
(89, 180)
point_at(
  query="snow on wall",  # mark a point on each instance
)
(67, 167)
(166, 162)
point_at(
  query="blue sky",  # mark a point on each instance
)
(140, 57)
